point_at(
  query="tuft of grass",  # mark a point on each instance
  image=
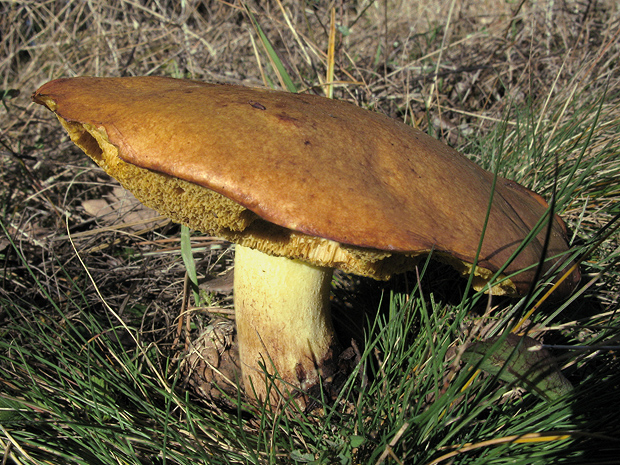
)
(90, 307)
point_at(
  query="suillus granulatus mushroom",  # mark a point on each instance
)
(302, 185)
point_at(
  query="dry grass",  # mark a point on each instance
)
(456, 69)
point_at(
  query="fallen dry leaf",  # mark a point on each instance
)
(121, 206)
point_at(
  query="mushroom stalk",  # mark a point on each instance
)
(283, 321)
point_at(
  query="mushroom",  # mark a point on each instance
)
(302, 185)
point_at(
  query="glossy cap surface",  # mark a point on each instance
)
(318, 167)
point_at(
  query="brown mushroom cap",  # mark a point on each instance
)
(373, 192)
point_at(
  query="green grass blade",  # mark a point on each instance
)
(274, 59)
(190, 264)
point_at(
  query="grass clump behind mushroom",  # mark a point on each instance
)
(67, 401)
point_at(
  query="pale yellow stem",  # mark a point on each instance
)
(283, 320)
